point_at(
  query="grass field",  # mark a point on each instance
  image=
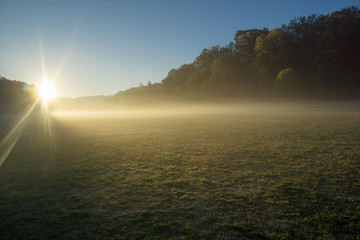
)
(246, 175)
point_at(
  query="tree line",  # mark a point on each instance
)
(15, 95)
(313, 57)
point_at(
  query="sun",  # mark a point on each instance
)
(46, 91)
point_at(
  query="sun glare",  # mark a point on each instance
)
(46, 91)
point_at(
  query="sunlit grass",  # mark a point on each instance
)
(250, 175)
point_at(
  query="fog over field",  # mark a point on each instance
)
(276, 169)
(129, 129)
(256, 171)
(185, 108)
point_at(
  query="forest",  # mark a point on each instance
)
(16, 95)
(315, 57)
(311, 58)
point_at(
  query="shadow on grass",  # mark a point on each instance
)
(38, 182)
(262, 176)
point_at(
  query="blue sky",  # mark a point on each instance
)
(101, 47)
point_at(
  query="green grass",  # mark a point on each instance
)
(250, 175)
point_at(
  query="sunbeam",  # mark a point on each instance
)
(46, 91)
(69, 49)
(8, 143)
(42, 56)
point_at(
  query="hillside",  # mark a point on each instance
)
(313, 57)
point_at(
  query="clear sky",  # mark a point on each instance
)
(101, 47)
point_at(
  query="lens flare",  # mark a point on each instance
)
(46, 91)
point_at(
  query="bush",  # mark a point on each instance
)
(286, 83)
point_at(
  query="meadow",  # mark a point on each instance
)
(247, 174)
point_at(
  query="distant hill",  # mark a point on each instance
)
(314, 57)
(93, 101)
(87, 102)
